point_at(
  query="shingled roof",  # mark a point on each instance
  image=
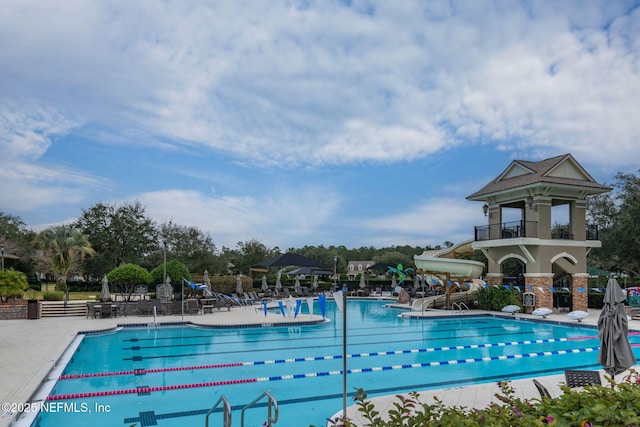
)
(559, 170)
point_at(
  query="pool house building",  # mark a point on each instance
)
(536, 214)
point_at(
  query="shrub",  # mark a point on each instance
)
(494, 298)
(597, 405)
(175, 270)
(12, 284)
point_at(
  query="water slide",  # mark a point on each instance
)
(442, 265)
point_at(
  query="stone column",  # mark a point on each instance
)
(541, 284)
(580, 299)
(493, 279)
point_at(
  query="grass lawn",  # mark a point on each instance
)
(73, 296)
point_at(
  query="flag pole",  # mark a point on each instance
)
(182, 300)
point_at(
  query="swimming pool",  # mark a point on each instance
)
(171, 376)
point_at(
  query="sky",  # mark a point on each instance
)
(355, 123)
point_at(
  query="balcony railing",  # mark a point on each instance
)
(506, 230)
(518, 229)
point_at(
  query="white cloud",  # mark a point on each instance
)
(261, 78)
(26, 129)
(431, 222)
(285, 216)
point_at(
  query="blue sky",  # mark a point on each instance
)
(297, 123)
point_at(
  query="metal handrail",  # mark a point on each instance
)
(461, 306)
(226, 412)
(271, 403)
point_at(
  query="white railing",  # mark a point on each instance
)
(226, 412)
(459, 307)
(272, 405)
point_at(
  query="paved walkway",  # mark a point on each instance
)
(29, 349)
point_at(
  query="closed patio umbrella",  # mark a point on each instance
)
(315, 281)
(279, 280)
(265, 286)
(239, 289)
(104, 292)
(363, 283)
(615, 352)
(168, 290)
(207, 280)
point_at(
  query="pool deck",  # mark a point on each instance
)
(29, 350)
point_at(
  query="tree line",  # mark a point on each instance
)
(107, 236)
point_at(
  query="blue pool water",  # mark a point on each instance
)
(182, 371)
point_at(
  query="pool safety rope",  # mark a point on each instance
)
(320, 374)
(318, 358)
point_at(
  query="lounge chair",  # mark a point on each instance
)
(223, 302)
(579, 378)
(544, 393)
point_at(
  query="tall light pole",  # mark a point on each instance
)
(164, 263)
(335, 270)
(2, 252)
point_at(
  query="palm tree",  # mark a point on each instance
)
(66, 245)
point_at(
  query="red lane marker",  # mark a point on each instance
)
(147, 389)
(149, 371)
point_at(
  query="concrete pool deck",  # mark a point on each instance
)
(29, 350)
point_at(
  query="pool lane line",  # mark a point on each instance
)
(421, 339)
(261, 333)
(298, 338)
(313, 358)
(308, 347)
(319, 374)
(584, 337)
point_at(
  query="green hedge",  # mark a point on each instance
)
(494, 298)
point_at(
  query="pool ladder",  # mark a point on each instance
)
(459, 307)
(272, 414)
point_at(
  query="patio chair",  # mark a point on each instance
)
(193, 307)
(542, 389)
(144, 307)
(177, 306)
(158, 306)
(105, 309)
(92, 310)
(578, 378)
